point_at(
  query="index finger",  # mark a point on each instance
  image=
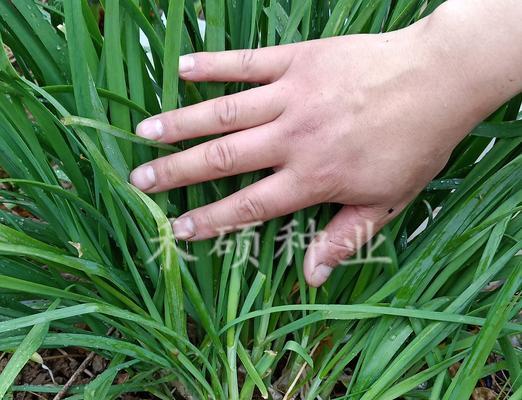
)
(276, 195)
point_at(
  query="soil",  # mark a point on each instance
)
(63, 363)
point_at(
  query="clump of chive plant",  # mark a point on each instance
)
(90, 254)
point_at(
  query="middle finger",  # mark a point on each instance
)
(225, 114)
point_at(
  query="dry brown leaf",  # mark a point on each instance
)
(483, 393)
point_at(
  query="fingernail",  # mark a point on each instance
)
(320, 274)
(150, 129)
(143, 177)
(184, 228)
(186, 63)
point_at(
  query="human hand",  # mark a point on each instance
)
(365, 121)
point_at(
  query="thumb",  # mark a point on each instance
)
(347, 232)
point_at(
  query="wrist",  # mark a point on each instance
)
(476, 47)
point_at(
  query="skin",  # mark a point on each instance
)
(363, 120)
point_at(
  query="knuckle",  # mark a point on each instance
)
(341, 245)
(316, 186)
(209, 222)
(321, 193)
(321, 183)
(226, 111)
(174, 122)
(304, 128)
(246, 61)
(250, 209)
(165, 170)
(220, 155)
(203, 64)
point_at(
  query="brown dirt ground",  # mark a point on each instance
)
(63, 363)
